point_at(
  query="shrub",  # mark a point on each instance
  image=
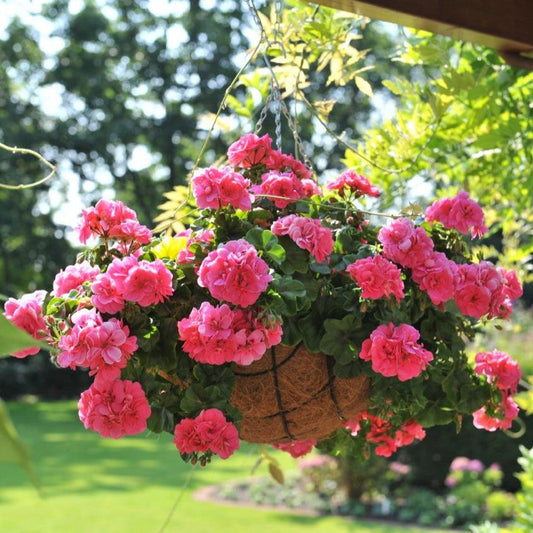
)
(500, 506)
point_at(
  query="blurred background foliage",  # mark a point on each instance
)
(120, 94)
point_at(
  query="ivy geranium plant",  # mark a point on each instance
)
(270, 257)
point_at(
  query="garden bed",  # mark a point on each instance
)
(262, 493)
(319, 492)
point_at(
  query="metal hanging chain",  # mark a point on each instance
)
(275, 89)
(275, 99)
(274, 96)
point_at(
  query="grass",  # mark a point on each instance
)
(92, 485)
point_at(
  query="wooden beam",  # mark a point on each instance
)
(505, 25)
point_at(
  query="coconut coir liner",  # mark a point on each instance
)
(292, 394)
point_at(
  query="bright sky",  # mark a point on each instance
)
(64, 197)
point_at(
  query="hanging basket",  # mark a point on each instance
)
(292, 394)
(268, 255)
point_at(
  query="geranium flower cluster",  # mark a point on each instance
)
(505, 373)
(234, 273)
(27, 314)
(478, 289)
(381, 432)
(164, 324)
(102, 346)
(394, 351)
(114, 408)
(209, 431)
(307, 233)
(218, 334)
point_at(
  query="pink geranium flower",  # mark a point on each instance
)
(436, 275)
(408, 432)
(507, 411)
(481, 289)
(131, 235)
(255, 335)
(109, 287)
(221, 436)
(307, 233)
(513, 288)
(310, 188)
(99, 345)
(377, 277)
(394, 351)
(354, 182)
(404, 244)
(73, 277)
(460, 212)
(380, 432)
(214, 188)
(114, 408)
(250, 150)
(283, 188)
(185, 255)
(107, 294)
(208, 431)
(218, 335)
(208, 334)
(187, 439)
(234, 273)
(105, 218)
(26, 313)
(287, 163)
(500, 368)
(148, 283)
(297, 448)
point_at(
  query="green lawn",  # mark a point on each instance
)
(92, 485)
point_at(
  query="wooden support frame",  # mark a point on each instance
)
(505, 25)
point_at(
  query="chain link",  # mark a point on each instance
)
(278, 8)
(263, 113)
(257, 20)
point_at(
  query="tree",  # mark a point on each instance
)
(464, 124)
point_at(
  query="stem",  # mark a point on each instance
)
(227, 92)
(340, 140)
(15, 150)
(332, 207)
(223, 103)
(177, 501)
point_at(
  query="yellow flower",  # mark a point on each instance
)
(170, 247)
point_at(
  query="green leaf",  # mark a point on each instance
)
(311, 328)
(13, 339)
(392, 87)
(342, 338)
(291, 333)
(277, 253)
(255, 238)
(525, 401)
(288, 288)
(320, 268)
(276, 473)
(191, 403)
(12, 450)
(434, 415)
(364, 86)
(297, 260)
(265, 240)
